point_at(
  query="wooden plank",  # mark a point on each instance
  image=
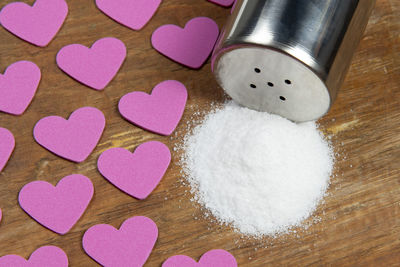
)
(359, 219)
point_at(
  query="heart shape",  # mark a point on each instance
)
(159, 112)
(73, 139)
(213, 258)
(59, 207)
(132, 14)
(7, 144)
(1, 215)
(225, 3)
(233, 6)
(131, 245)
(190, 46)
(49, 256)
(95, 66)
(37, 24)
(138, 173)
(18, 86)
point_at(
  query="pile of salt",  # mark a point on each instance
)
(261, 173)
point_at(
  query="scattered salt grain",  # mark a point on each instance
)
(258, 172)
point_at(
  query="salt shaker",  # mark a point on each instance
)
(289, 57)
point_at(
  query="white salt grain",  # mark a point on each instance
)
(261, 173)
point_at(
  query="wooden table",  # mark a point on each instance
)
(359, 219)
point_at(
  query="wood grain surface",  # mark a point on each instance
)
(357, 225)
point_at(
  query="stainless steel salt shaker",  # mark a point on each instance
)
(289, 57)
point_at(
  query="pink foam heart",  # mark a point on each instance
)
(47, 256)
(7, 144)
(18, 86)
(222, 2)
(95, 66)
(1, 215)
(131, 245)
(57, 207)
(190, 46)
(37, 24)
(73, 139)
(159, 112)
(213, 258)
(138, 173)
(132, 14)
(233, 6)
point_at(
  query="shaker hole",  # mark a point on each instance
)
(282, 98)
(253, 86)
(270, 84)
(288, 82)
(257, 70)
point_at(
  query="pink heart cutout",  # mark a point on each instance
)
(48, 256)
(18, 85)
(190, 46)
(132, 14)
(73, 139)
(159, 112)
(1, 215)
(7, 144)
(95, 66)
(59, 207)
(224, 3)
(131, 245)
(37, 24)
(213, 258)
(138, 173)
(233, 6)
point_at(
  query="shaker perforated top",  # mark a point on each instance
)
(271, 81)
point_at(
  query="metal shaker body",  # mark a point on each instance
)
(289, 57)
